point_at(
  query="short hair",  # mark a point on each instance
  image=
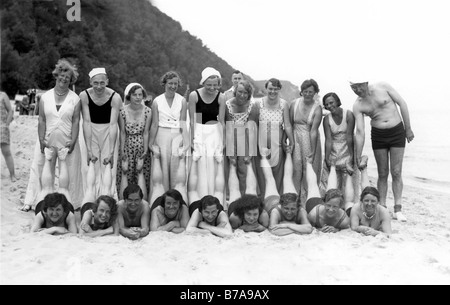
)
(173, 193)
(333, 95)
(369, 190)
(52, 200)
(288, 198)
(209, 200)
(63, 65)
(334, 193)
(237, 72)
(308, 83)
(112, 204)
(247, 86)
(131, 189)
(133, 89)
(275, 82)
(170, 75)
(247, 203)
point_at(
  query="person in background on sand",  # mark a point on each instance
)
(236, 77)
(169, 211)
(369, 217)
(169, 130)
(100, 108)
(338, 127)
(275, 131)
(133, 213)
(59, 125)
(6, 117)
(328, 214)
(206, 132)
(390, 130)
(134, 125)
(306, 116)
(240, 116)
(286, 214)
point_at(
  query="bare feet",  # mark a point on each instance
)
(25, 208)
(62, 153)
(363, 164)
(156, 151)
(139, 164)
(349, 168)
(49, 152)
(124, 164)
(218, 155)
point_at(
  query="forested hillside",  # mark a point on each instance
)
(132, 39)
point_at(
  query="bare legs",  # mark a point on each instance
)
(193, 194)
(6, 152)
(251, 180)
(89, 194)
(47, 180)
(311, 180)
(288, 182)
(124, 180)
(180, 174)
(219, 183)
(271, 185)
(157, 180)
(233, 183)
(64, 173)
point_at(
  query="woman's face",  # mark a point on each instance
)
(370, 203)
(332, 207)
(99, 83)
(172, 85)
(211, 85)
(331, 104)
(210, 213)
(308, 93)
(63, 79)
(251, 216)
(103, 214)
(137, 96)
(55, 213)
(242, 96)
(171, 207)
(289, 210)
(272, 91)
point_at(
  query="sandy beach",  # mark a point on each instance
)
(418, 252)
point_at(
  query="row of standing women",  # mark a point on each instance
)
(121, 136)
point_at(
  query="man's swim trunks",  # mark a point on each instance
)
(390, 137)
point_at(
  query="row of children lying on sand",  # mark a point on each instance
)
(133, 217)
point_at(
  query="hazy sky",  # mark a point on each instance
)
(406, 43)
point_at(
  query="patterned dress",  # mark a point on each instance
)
(269, 119)
(134, 147)
(302, 130)
(340, 152)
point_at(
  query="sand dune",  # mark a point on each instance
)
(418, 252)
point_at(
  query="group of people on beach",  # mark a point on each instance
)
(211, 162)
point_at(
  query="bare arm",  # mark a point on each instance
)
(192, 226)
(42, 126)
(146, 134)
(122, 135)
(192, 116)
(223, 228)
(292, 228)
(5, 100)
(87, 129)
(350, 135)
(145, 220)
(355, 223)
(288, 125)
(360, 133)
(75, 127)
(86, 230)
(328, 139)
(221, 116)
(116, 103)
(395, 96)
(155, 124)
(314, 134)
(385, 222)
(123, 230)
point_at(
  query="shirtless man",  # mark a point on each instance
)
(100, 106)
(133, 213)
(379, 101)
